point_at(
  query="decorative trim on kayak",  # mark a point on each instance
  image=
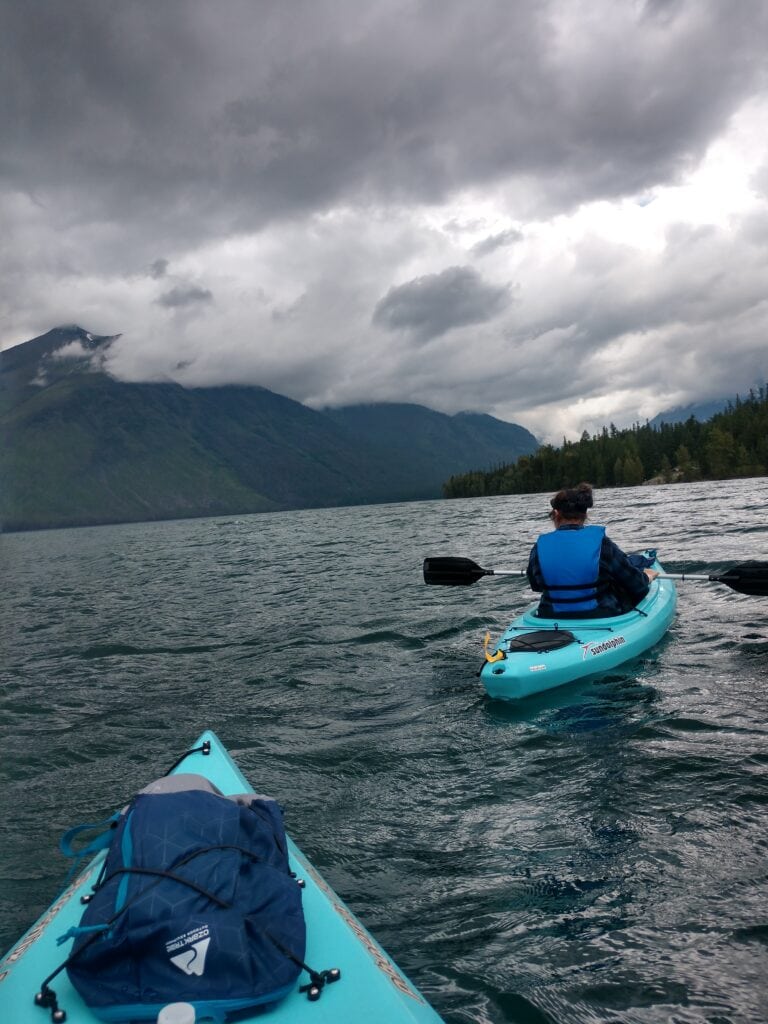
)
(605, 645)
(380, 958)
(37, 930)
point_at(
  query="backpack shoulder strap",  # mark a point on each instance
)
(99, 842)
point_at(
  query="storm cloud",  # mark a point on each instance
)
(159, 268)
(493, 242)
(565, 200)
(435, 303)
(184, 296)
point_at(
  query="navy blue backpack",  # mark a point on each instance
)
(196, 903)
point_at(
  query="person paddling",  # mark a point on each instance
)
(578, 570)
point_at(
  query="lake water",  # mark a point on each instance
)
(600, 854)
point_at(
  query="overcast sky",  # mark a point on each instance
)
(553, 211)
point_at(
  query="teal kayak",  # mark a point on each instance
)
(536, 654)
(371, 987)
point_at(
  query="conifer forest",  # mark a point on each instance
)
(734, 443)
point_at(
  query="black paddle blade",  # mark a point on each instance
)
(748, 578)
(453, 572)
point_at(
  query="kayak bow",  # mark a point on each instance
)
(371, 986)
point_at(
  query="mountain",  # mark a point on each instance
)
(79, 447)
(701, 411)
(428, 446)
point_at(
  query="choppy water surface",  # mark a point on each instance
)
(600, 854)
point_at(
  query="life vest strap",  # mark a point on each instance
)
(597, 587)
(593, 584)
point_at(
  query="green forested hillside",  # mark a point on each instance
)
(734, 443)
(78, 447)
(426, 445)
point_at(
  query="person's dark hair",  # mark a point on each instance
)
(573, 502)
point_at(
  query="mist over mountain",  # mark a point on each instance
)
(701, 411)
(81, 448)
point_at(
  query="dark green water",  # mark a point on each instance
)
(597, 855)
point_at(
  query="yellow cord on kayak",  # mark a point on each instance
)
(491, 657)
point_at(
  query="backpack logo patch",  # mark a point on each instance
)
(193, 948)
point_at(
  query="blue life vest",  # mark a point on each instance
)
(570, 564)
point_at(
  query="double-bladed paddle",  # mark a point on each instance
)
(747, 578)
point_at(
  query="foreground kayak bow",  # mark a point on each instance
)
(371, 988)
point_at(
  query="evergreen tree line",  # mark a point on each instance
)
(734, 443)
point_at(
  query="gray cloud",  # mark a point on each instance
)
(493, 242)
(158, 269)
(300, 158)
(210, 119)
(184, 295)
(431, 305)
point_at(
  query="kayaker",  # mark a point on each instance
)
(579, 571)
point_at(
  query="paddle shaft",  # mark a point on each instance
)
(747, 578)
(659, 576)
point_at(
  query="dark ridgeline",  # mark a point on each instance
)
(733, 443)
(79, 447)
